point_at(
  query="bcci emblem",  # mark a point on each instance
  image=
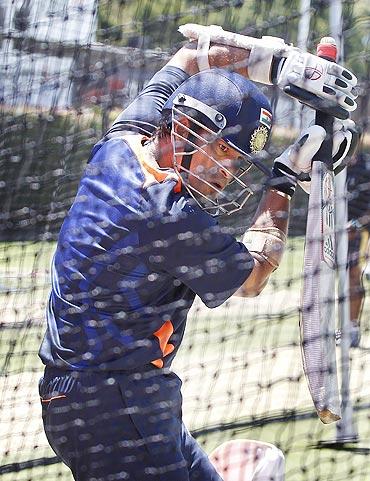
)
(259, 139)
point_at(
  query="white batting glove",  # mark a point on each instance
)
(314, 81)
(318, 83)
(294, 164)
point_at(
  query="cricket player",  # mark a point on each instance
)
(142, 239)
(358, 184)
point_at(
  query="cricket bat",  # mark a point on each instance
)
(317, 322)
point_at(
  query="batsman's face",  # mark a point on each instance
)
(212, 171)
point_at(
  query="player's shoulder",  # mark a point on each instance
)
(114, 164)
(111, 143)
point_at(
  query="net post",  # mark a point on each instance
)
(346, 430)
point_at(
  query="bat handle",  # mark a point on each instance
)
(326, 49)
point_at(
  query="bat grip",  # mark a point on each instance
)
(325, 153)
(326, 121)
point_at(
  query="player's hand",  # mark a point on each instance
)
(316, 82)
(296, 161)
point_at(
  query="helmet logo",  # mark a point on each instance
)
(259, 139)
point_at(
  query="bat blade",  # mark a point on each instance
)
(318, 297)
(317, 323)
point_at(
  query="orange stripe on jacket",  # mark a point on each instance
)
(163, 334)
(153, 173)
(52, 398)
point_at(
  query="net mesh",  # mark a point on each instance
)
(68, 67)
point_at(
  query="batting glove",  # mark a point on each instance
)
(318, 83)
(294, 164)
(314, 81)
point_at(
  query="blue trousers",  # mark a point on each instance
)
(109, 426)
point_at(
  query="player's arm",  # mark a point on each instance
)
(219, 56)
(266, 238)
(269, 60)
(143, 115)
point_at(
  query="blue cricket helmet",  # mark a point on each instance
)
(218, 104)
(247, 113)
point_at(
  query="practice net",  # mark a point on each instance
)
(67, 69)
